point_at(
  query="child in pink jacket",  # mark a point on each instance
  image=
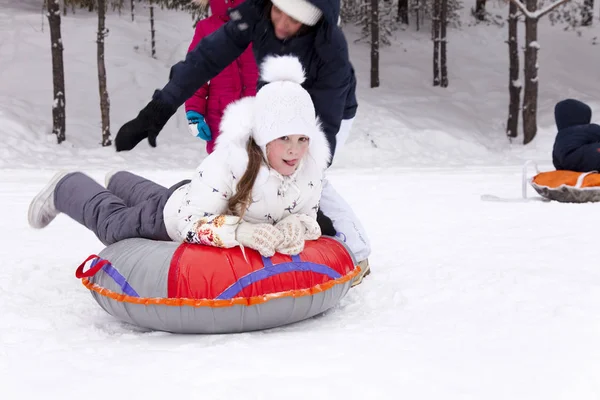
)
(204, 109)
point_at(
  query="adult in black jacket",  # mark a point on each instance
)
(306, 29)
(577, 143)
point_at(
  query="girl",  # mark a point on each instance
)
(204, 109)
(260, 188)
(307, 29)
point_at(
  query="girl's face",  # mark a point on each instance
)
(284, 154)
(284, 25)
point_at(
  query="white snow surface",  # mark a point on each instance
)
(467, 299)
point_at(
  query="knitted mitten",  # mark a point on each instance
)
(263, 238)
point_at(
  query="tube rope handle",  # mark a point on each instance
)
(79, 273)
(525, 179)
(581, 177)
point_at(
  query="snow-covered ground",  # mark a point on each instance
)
(467, 299)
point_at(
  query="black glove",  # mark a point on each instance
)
(147, 124)
(325, 223)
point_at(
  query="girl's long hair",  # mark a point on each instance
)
(240, 201)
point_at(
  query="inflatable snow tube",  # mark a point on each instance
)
(186, 288)
(568, 186)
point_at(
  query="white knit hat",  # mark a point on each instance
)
(301, 10)
(282, 106)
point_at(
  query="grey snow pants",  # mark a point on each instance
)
(131, 206)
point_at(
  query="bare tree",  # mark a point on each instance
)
(514, 86)
(117, 5)
(530, 92)
(587, 13)
(152, 32)
(58, 71)
(402, 12)
(132, 10)
(72, 3)
(479, 10)
(443, 43)
(417, 9)
(104, 100)
(435, 36)
(439, 23)
(374, 43)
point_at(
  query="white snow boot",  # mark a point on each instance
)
(41, 209)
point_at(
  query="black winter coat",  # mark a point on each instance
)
(577, 143)
(323, 52)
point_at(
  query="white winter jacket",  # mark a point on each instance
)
(195, 213)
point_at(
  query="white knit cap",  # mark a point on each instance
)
(301, 10)
(282, 106)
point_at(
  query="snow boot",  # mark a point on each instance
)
(41, 209)
(365, 270)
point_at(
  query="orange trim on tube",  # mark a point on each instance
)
(244, 301)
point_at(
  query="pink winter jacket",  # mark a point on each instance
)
(234, 82)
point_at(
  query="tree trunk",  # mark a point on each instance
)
(530, 92)
(58, 71)
(64, 6)
(435, 22)
(514, 86)
(104, 100)
(480, 10)
(417, 8)
(443, 43)
(374, 43)
(152, 32)
(402, 12)
(132, 10)
(587, 13)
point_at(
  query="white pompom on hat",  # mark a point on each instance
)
(282, 106)
(301, 10)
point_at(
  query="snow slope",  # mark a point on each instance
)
(467, 299)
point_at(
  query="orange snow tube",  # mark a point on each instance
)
(568, 186)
